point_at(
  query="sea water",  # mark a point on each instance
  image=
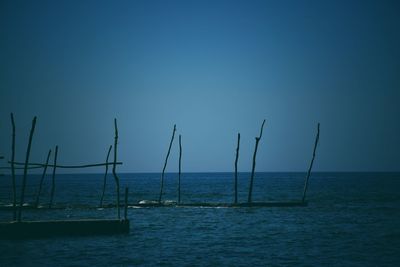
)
(353, 219)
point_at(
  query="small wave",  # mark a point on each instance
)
(148, 202)
(170, 202)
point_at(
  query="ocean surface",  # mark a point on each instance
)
(353, 219)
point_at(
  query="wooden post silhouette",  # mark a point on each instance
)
(179, 170)
(105, 177)
(28, 152)
(165, 165)
(311, 164)
(13, 168)
(42, 179)
(236, 162)
(126, 204)
(41, 165)
(249, 200)
(53, 178)
(115, 167)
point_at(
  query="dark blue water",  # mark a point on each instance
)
(353, 219)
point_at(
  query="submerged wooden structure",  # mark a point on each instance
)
(236, 204)
(267, 204)
(17, 228)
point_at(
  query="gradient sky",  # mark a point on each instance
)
(215, 68)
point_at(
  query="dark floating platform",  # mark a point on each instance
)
(46, 229)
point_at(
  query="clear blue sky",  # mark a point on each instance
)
(215, 68)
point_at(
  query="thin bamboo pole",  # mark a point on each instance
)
(21, 168)
(114, 170)
(41, 165)
(249, 200)
(53, 178)
(13, 168)
(105, 177)
(42, 179)
(311, 164)
(126, 203)
(28, 152)
(165, 165)
(236, 174)
(179, 171)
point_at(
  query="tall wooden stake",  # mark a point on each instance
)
(236, 163)
(28, 152)
(165, 165)
(249, 200)
(126, 203)
(311, 164)
(53, 178)
(179, 171)
(42, 179)
(114, 170)
(13, 168)
(105, 177)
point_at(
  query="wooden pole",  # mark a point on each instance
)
(126, 203)
(311, 164)
(28, 152)
(236, 162)
(105, 177)
(21, 168)
(249, 200)
(179, 171)
(41, 165)
(115, 167)
(13, 168)
(165, 164)
(42, 179)
(53, 179)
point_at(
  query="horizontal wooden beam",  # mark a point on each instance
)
(41, 165)
(20, 168)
